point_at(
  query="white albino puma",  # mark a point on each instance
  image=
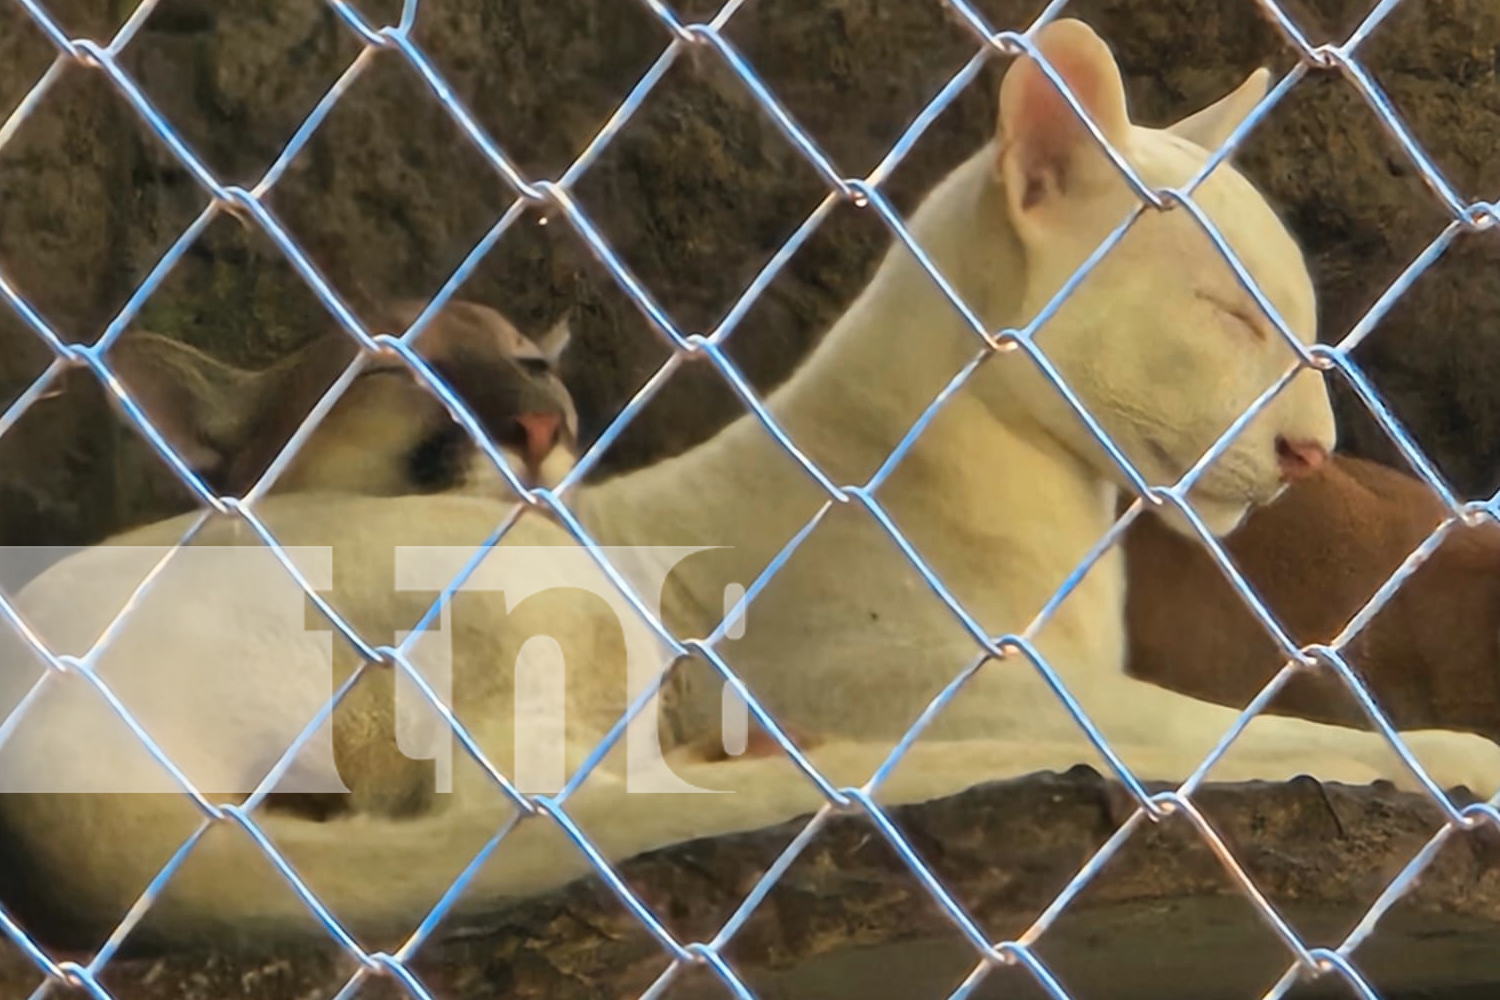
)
(1003, 494)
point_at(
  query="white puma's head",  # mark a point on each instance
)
(388, 434)
(1160, 341)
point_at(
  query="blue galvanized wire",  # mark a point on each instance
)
(555, 196)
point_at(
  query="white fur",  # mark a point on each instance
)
(485, 480)
(1003, 494)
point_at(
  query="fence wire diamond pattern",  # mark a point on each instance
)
(554, 196)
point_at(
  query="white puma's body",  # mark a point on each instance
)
(1004, 494)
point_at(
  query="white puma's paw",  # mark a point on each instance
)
(1454, 759)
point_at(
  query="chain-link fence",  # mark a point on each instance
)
(555, 197)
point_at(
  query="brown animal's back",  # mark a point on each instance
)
(1431, 655)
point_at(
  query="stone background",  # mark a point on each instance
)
(696, 194)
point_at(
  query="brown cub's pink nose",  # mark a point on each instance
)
(541, 431)
(1298, 459)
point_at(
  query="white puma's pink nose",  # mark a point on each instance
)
(1298, 459)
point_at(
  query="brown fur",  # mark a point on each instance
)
(230, 424)
(1431, 656)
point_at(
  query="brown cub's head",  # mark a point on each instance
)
(388, 434)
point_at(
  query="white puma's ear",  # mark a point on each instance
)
(555, 341)
(1045, 148)
(1212, 125)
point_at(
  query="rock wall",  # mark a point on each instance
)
(696, 194)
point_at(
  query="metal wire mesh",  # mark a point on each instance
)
(866, 192)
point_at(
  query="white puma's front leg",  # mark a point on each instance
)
(1182, 731)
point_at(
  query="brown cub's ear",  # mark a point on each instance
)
(227, 423)
(1046, 150)
(555, 341)
(194, 401)
(395, 315)
(278, 399)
